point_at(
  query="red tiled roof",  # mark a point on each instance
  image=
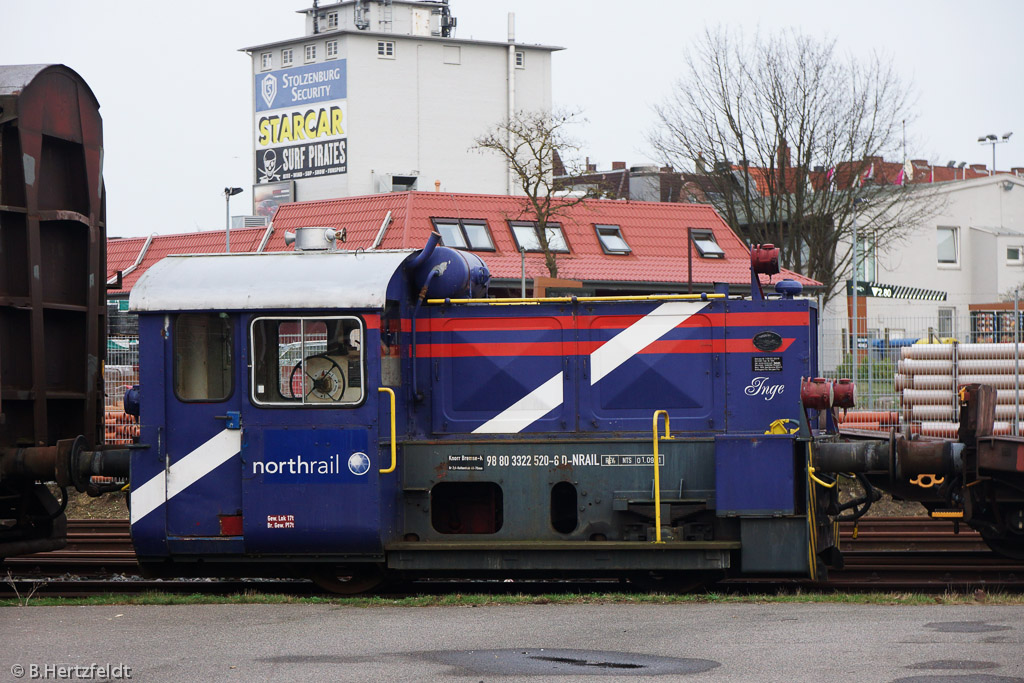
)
(122, 253)
(206, 242)
(656, 233)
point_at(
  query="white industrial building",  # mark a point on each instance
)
(970, 253)
(380, 96)
(949, 276)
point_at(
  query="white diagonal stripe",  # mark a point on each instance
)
(609, 356)
(147, 497)
(185, 472)
(526, 410)
(639, 336)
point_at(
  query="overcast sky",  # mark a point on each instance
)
(174, 89)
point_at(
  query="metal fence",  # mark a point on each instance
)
(908, 370)
(120, 373)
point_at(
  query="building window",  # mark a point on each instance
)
(528, 239)
(452, 54)
(266, 61)
(332, 20)
(706, 245)
(464, 234)
(1015, 255)
(520, 60)
(203, 365)
(311, 53)
(286, 57)
(948, 251)
(612, 241)
(307, 361)
(945, 326)
(386, 49)
(332, 49)
(865, 260)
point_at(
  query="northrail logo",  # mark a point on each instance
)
(268, 88)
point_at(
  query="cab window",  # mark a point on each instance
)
(202, 357)
(316, 361)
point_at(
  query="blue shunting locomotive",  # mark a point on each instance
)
(354, 415)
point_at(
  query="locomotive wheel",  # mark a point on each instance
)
(1008, 539)
(1007, 547)
(349, 581)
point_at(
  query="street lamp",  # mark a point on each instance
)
(229, 192)
(991, 139)
(856, 267)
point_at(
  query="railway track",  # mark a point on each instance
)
(885, 553)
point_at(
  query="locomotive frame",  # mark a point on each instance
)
(437, 435)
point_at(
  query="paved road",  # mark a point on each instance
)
(742, 642)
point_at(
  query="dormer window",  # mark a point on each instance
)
(332, 20)
(464, 234)
(527, 239)
(706, 245)
(612, 241)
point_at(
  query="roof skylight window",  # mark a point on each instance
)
(612, 241)
(706, 245)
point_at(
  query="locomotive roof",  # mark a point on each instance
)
(281, 280)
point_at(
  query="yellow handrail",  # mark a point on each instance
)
(394, 445)
(657, 481)
(584, 299)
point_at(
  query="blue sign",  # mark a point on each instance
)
(301, 85)
(321, 456)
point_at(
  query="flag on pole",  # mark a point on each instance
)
(906, 173)
(868, 175)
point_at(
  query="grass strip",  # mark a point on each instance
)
(485, 600)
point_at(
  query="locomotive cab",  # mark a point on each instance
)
(265, 421)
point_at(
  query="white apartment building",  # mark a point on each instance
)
(380, 96)
(971, 252)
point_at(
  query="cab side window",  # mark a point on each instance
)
(390, 352)
(316, 361)
(203, 358)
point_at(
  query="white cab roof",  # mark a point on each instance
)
(278, 280)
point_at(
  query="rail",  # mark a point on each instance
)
(900, 553)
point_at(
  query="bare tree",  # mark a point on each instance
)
(791, 132)
(532, 142)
